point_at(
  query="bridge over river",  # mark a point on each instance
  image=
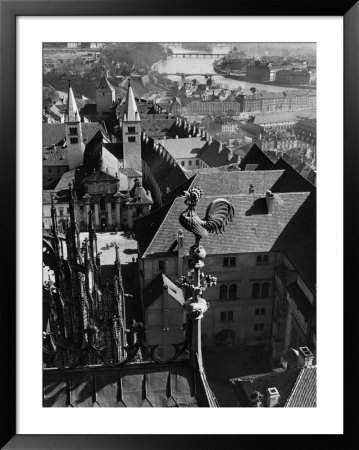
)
(198, 55)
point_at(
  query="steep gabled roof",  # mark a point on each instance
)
(255, 155)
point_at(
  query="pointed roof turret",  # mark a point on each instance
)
(72, 112)
(131, 112)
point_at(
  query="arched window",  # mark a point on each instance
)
(232, 293)
(223, 292)
(255, 290)
(265, 289)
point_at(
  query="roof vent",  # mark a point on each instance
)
(270, 202)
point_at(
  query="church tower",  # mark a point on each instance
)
(105, 96)
(131, 133)
(73, 132)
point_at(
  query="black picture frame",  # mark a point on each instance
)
(9, 10)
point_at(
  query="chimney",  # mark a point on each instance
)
(180, 252)
(270, 202)
(272, 397)
(305, 358)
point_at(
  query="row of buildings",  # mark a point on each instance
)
(260, 102)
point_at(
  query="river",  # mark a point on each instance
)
(204, 65)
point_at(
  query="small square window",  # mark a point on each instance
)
(190, 163)
(73, 140)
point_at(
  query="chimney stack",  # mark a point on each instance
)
(272, 397)
(305, 358)
(270, 202)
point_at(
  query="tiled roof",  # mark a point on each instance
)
(213, 157)
(184, 147)
(153, 290)
(53, 133)
(284, 381)
(256, 156)
(252, 229)
(90, 109)
(304, 394)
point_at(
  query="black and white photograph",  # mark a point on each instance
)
(179, 224)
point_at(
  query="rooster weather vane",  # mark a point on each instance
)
(219, 213)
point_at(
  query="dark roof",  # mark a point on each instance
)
(298, 241)
(90, 109)
(213, 157)
(291, 181)
(54, 133)
(295, 386)
(115, 148)
(157, 126)
(256, 156)
(154, 289)
(136, 385)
